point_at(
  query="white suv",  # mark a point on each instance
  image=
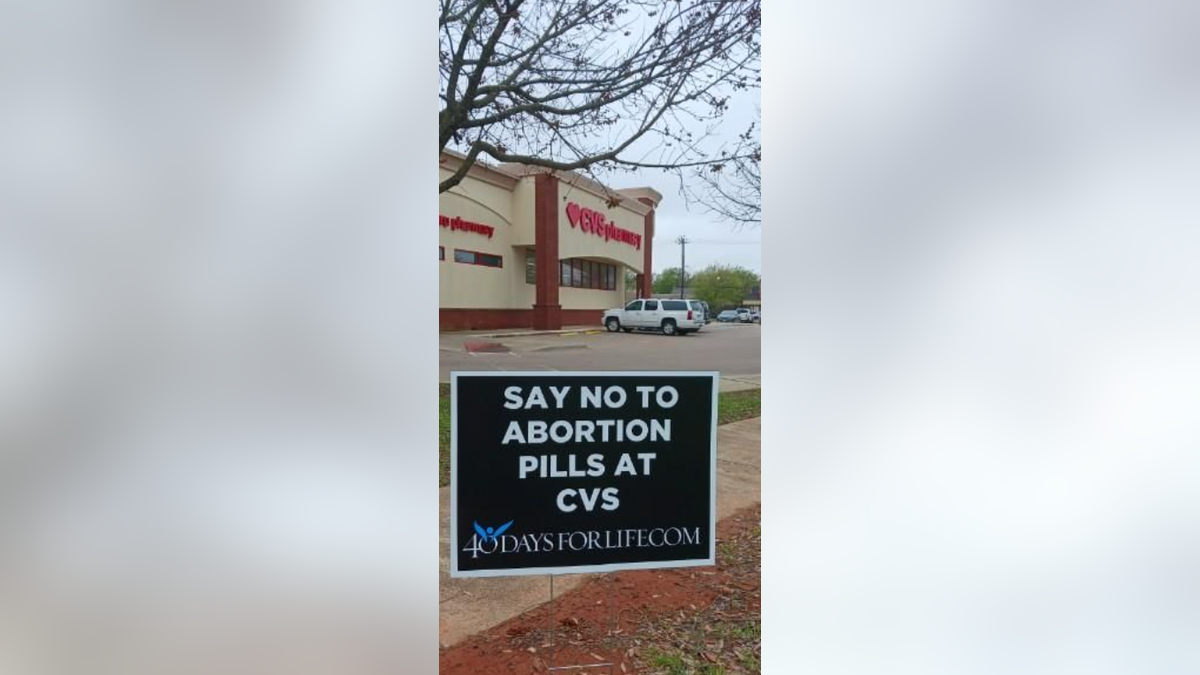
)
(672, 317)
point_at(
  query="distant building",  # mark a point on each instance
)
(754, 298)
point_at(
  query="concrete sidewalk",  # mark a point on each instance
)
(739, 382)
(468, 606)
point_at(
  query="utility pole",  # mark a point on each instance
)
(682, 241)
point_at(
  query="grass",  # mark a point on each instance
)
(732, 406)
(675, 664)
(751, 630)
(724, 637)
(443, 440)
(672, 664)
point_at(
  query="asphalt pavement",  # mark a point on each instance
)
(734, 350)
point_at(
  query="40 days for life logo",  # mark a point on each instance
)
(493, 540)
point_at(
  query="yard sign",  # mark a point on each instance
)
(560, 472)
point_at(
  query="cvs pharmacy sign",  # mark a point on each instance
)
(595, 223)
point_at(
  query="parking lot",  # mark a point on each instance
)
(731, 349)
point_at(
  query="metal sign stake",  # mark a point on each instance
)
(550, 667)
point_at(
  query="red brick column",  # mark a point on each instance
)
(645, 280)
(547, 312)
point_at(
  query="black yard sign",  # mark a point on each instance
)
(555, 472)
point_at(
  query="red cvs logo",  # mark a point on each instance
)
(595, 223)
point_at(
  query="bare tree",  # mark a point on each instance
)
(581, 84)
(731, 190)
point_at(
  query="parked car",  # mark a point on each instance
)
(756, 316)
(708, 315)
(727, 316)
(672, 317)
(744, 315)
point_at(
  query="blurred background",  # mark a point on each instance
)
(202, 403)
(990, 230)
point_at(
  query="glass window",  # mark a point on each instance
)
(651, 305)
(475, 258)
(634, 306)
(488, 260)
(530, 267)
(577, 273)
(675, 305)
(441, 253)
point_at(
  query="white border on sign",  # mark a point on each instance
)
(583, 569)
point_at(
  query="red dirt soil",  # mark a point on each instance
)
(583, 617)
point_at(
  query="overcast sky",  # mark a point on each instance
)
(713, 240)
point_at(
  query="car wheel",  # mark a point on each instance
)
(613, 325)
(668, 328)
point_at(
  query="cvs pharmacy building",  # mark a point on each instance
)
(524, 247)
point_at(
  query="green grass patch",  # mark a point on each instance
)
(673, 664)
(443, 440)
(749, 631)
(735, 406)
(666, 663)
(732, 406)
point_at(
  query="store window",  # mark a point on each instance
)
(476, 258)
(577, 273)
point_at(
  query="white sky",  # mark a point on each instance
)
(715, 241)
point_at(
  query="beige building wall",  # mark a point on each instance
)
(506, 203)
(522, 212)
(473, 286)
(575, 243)
(587, 298)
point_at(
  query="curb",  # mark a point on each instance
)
(559, 348)
(572, 331)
